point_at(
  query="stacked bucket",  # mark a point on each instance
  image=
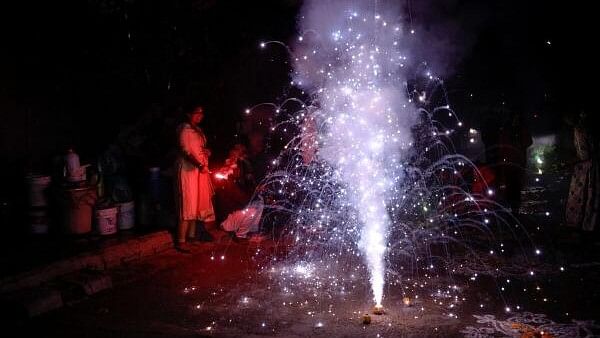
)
(38, 203)
(82, 203)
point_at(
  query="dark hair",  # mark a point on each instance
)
(190, 110)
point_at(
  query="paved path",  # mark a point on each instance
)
(219, 291)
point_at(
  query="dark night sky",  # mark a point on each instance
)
(79, 78)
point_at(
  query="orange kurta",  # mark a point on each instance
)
(194, 187)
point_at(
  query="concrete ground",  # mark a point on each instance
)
(221, 290)
(237, 290)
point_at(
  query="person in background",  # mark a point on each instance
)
(490, 134)
(234, 182)
(194, 190)
(583, 202)
(258, 156)
(514, 139)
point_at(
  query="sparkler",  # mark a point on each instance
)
(220, 176)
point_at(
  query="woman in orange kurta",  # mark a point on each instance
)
(194, 187)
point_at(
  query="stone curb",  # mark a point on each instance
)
(47, 288)
(102, 259)
(74, 279)
(30, 303)
(77, 286)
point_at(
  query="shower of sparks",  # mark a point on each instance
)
(363, 118)
(367, 180)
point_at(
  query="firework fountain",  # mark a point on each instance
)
(368, 178)
(364, 116)
(353, 71)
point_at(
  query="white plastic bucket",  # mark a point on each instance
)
(126, 217)
(37, 190)
(107, 220)
(38, 221)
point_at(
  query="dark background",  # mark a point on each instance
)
(85, 72)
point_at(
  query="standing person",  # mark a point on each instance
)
(193, 185)
(490, 134)
(514, 139)
(583, 203)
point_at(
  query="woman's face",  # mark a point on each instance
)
(197, 116)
